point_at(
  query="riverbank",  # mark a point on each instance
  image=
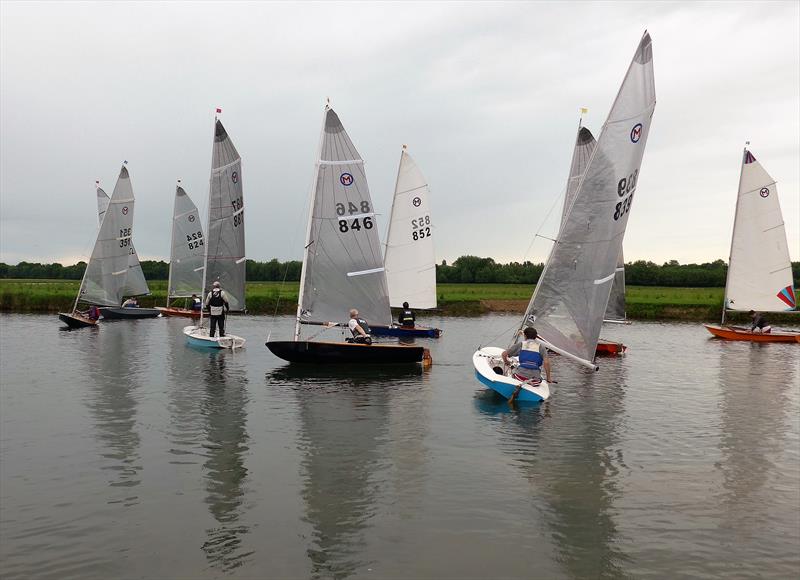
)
(643, 302)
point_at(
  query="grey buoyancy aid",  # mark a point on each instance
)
(364, 326)
(407, 318)
(529, 355)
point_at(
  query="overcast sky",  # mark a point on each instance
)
(486, 95)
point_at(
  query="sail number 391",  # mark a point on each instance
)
(626, 185)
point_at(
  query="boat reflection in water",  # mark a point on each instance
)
(112, 399)
(345, 440)
(568, 449)
(224, 412)
(756, 382)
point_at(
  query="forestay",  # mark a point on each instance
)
(410, 259)
(343, 264)
(107, 273)
(760, 273)
(225, 261)
(136, 285)
(187, 255)
(573, 291)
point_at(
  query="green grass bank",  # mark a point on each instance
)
(643, 302)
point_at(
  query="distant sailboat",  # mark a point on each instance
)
(570, 299)
(342, 263)
(759, 270)
(106, 278)
(187, 255)
(224, 241)
(410, 261)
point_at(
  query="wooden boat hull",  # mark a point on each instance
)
(129, 313)
(405, 331)
(313, 352)
(739, 333)
(487, 359)
(610, 348)
(172, 311)
(76, 320)
(198, 336)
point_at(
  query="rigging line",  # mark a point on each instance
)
(541, 225)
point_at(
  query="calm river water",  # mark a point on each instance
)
(126, 454)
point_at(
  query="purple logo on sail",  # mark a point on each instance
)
(191, 218)
(125, 210)
(636, 133)
(235, 177)
(346, 179)
(764, 192)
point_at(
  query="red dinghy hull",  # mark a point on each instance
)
(609, 348)
(172, 311)
(739, 333)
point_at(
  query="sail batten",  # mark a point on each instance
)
(573, 292)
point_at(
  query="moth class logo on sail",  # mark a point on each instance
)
(764, 192)
(235, 177)
(125, 210)
(636, 133)
(346, 179)
(417, 202)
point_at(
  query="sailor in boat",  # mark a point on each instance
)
(217, 304)
(131, 302)
(532, 357)
(359, 328)
(197, 304)
(759, 322)
(407, 318)
(93, 313)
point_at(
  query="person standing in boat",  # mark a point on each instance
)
(532, 357)
(759, 322)
(407, 318)
(217, 304)
(359, 328)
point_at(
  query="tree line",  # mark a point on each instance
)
(464, 270)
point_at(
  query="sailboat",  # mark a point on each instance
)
(187, 255)
(615, 311)
(342, 262)
(224, 256)
(106, 278)
(409, 261)
(570, 299)
(759, 269)
(135, 284)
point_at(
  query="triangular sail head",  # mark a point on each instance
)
(410, 258)
(225, 248)
(573, 291)
(102, 204)
(108, 273)
(187, 257)
(760, 271)
(343, 262)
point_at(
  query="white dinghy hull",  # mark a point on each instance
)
(487, 359)
(198, 336)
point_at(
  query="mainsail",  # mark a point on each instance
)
(136, 284)
(584, 147)
(343, 265)
(573, 291)
(759, 273)
(225, 257)
(410, 259)
(187, 255)
(107, 274)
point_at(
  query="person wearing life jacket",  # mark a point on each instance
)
(359, 328)
(407, 317)
(759, 322)
(197, 304)
(131, 302)
(217, 304)
(532, 357)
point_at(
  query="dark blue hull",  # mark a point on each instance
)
(402, 331)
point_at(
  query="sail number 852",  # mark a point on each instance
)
(626, 185)
(420, 228)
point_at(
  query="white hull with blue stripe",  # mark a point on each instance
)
(487, 359)
(198, 336)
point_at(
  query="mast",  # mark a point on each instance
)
(733, 235)
(394, 199)
(172, 250)
(312, 196)
(208, 227)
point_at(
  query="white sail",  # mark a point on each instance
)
(343, 265)
(616, 301)
(102, 204)
(136, 284)
(410, 260)
(759, 272)
(187, 255)
(107, 273)
(225, 258)
(573, 291)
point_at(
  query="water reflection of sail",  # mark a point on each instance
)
(112, 403)
(224, 409)
(755, 381)
(569, 452)
(343, 424)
